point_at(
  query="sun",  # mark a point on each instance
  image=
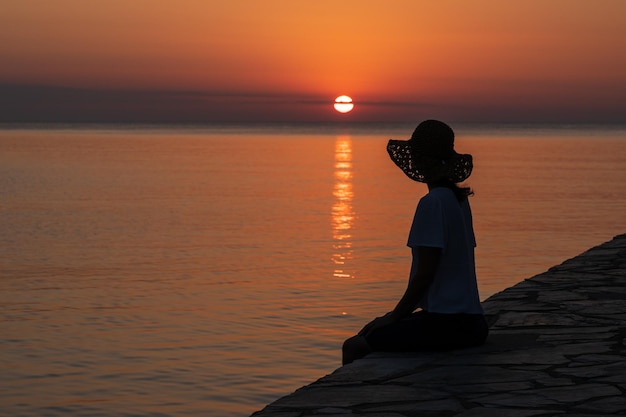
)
(343, 104)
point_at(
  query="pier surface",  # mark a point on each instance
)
(557, 347)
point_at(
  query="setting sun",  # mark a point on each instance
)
(343, 104)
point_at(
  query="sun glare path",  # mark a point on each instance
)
(343, 211)
(343, 104)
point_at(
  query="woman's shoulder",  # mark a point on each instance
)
(444, 199)
(435, 200)
(441, 194)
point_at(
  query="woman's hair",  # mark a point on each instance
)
(461, 192)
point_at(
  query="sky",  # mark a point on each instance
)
(287, 60)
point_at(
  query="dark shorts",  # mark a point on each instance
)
(430, 331)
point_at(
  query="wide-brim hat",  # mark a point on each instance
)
(429, 155)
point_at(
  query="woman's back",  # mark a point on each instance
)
(443, 222)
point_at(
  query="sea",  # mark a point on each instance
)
(208, 270)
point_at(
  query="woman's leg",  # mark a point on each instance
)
(355, 348)
(420, 331)
(430, 331)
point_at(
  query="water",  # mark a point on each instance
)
(206, 271)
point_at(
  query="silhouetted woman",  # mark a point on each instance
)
(440, 308)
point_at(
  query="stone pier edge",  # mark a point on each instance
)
(557, 347)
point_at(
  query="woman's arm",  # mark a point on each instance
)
(427, 264)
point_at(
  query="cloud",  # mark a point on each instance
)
(28, 103)
(43, 103)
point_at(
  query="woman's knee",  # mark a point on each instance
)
(355, 342)
(355, 348)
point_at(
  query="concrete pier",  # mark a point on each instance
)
(557, 347)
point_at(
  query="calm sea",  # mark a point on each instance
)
(208, 270)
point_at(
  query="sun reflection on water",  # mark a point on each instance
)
(342, 211)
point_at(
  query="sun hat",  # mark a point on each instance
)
(429, 155)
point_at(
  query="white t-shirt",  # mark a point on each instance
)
(442, 222)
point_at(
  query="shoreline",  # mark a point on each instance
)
(557, 345)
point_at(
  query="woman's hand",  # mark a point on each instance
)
(378, 322)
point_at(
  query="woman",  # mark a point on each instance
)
(440, 308)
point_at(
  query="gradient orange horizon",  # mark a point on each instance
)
(396, 58)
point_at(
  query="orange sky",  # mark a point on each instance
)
(487, 60)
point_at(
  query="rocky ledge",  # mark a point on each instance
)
(557, 347)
